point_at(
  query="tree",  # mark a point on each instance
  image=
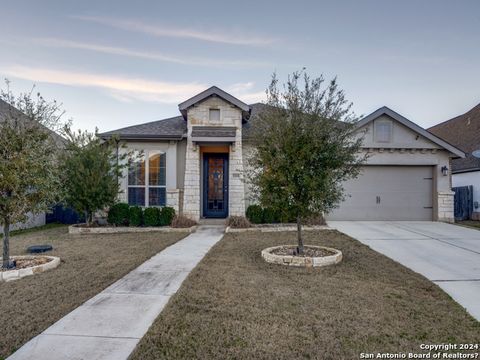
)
(91, 169)
(304, 148)
(29, 178)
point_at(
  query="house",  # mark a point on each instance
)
(464, 132)
(195, 162)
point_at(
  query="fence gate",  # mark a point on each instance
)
(463, 202)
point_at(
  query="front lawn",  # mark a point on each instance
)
(234, 305)
(89, 263)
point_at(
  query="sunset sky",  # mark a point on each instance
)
(118, 63)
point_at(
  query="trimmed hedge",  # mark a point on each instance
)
(166, 216)
(122, 214)
(270, 216)
(118, 214)
(255, 214)
(135, 216)
(151, 216)
(260, 215)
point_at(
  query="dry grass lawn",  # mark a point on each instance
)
(234, 305)
(89, 263)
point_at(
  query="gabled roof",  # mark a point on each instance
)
(213, 91)
(464, 132)
(412, 126)
(174, 128)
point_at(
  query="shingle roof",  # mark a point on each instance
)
(464, 132)
(171, 128)
(214, 131)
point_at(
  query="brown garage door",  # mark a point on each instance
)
(388, 193)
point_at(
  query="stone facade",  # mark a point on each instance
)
(236, 177)
(173, 199)
(445, 206)
(198, 115)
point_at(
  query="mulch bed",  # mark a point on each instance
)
(30, 262)
(307, 251)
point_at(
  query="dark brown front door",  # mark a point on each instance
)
(215, 185)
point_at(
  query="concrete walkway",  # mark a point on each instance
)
(448, 255)
(109, 325)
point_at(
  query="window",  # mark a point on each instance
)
(383, 131)
(147, 178)
(214, 115)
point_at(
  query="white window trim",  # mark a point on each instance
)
(146, 154)
(390, 135)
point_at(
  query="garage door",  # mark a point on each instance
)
(388, 193)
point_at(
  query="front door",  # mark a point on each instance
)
(215, 185)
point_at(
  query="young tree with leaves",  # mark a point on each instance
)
(305, 147)
(91, 169)
(29, 177)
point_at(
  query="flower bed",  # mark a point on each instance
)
(29, 265)
(314, 256)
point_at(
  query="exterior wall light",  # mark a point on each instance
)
(444, 170)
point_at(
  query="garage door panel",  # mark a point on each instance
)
(388, 193)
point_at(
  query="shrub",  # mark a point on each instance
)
(151, 216)
(316, 219)
(180, 221)
(238, 222)
(255, 214)
(270, 216)
(118, 214)
(166, 216)
(135, 216)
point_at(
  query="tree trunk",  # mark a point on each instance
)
(6, 246)
(299, 236)
(87, 217)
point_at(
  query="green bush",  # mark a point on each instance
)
(255, 214)
(118, 214)
(135, 216)
(270, 216)
(151, 216)
(166, 216)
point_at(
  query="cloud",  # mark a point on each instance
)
(61, 43)
(244, 92)
(120, 87)
(128, 89)
(216, 36)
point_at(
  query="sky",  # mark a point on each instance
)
(118, 63)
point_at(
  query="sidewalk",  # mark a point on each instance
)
(109, 325)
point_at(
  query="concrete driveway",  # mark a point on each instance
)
(448, 255)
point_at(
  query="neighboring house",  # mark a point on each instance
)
(38, 219)
(464, 132)
(195, 162)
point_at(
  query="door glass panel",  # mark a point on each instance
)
(215, 198)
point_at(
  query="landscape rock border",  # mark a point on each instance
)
(276, 228)
(302, 261)
(10, 275)
(74, 229)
